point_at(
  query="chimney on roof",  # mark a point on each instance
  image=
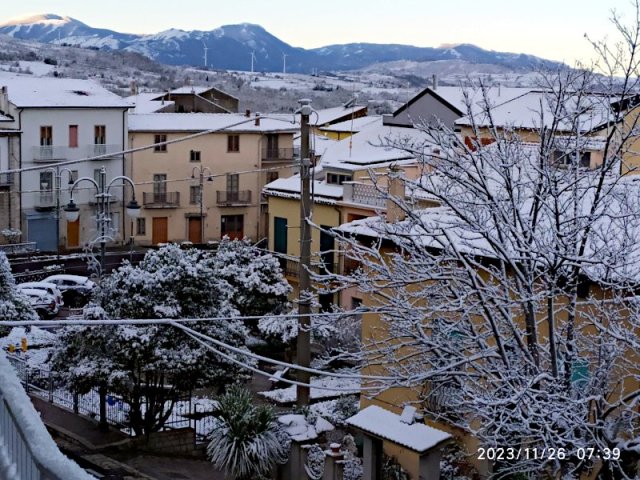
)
(133, 87)
(257, 122)
(247, 113)
(396, 190)
(434, 82)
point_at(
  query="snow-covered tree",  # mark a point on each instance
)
(509, 310)
(13, 305)
(246, 440)
(152, 366)
(256, 276)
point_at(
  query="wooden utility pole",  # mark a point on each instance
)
(303, 347)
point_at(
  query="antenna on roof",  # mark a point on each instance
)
(205, 53)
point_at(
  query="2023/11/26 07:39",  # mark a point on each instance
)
(535, 453)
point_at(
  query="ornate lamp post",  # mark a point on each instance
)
(200, 171)
(57, 173)
(103, 217)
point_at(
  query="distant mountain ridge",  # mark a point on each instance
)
(234, 47)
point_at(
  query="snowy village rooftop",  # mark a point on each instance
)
(147, 102)
(198, 122)
(330, 115)
(353, 125)
(26, 91)
(387, 425)
(527, 111)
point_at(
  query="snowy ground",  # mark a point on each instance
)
(332, 387)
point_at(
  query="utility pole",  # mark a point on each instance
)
(284, 62)
(303, 346)
(201, 172)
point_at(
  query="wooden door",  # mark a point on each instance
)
(73, 233)
(160, 230)
(195, 229)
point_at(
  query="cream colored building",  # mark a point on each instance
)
(231, 156)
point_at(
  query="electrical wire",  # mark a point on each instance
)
(136, 149)
(255, 356)
(270, 375)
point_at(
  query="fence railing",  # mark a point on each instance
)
(363, 194)
(43, 383)
(24, 439)
(161, 199)
(275, 154)
(14, 248)
(233, 197)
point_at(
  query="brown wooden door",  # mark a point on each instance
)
(73, 233)
(160, 230)
(195, 225)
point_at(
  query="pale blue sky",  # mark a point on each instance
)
(552, 29)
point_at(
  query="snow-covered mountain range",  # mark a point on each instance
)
(235, 47)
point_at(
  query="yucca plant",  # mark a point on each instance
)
(246, 441)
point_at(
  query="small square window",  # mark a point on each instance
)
(160, 139)
(195, 156)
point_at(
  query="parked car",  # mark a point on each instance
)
(42, 302)
(75, 289)
(51, 288)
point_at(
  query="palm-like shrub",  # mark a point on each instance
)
(246, 440)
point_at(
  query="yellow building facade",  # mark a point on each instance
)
(202, 188)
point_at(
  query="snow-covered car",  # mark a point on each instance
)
(75, 289)
(43, 303)
(51, 288)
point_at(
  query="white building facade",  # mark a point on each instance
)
(63, 122)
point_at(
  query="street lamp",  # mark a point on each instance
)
(57, 173)
(200, 171)
(103, 217)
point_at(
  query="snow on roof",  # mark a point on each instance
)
(354, 125)
(197, 122)
(367, 147)
(329, 115)
(387, 425)
(300, 430)
(317, 143)
(290, 188)
(26, 91)
(188, 90)
(495, 95)
(42, 446)
(526, 112)
(147, 102)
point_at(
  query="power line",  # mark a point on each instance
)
(270, 375)
(276, 362)
(153, 182)
(108, 156)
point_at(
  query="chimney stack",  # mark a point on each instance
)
(396, 189)
(133, 87)
(434, 81)
(247, 113)
(257, 122)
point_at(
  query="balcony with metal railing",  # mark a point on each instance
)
(291, 266)
(233, 197)
(277, 154)
(45, 200)
(27, 451)
(161, 199)
(6, 179)
(103, 149)
(49, 153)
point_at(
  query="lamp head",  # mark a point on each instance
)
(71, 211)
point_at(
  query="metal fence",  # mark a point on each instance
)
(43, 383)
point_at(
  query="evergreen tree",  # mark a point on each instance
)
(13, 305)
